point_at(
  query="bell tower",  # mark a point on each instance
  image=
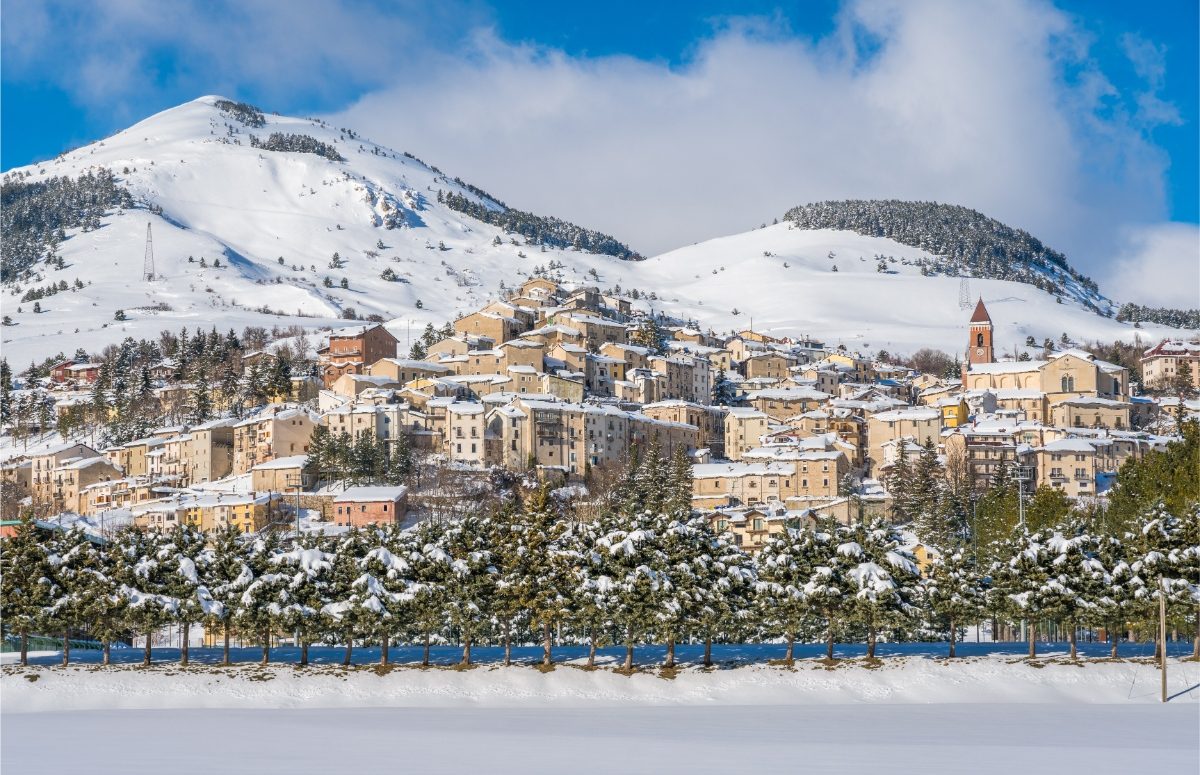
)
(979, 348)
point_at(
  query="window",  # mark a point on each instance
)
(385, 507)
(758, 524)
(1068, 383)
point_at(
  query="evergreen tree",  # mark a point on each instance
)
(144, 582)
(470, 581)
(882, 576)
(1019, 580)
(955, 592)
(25, 587)
(724, 391)
(1076, 580)
(348, 619)
(386, 586)
(631, 560)
(183, 559)
(725, 583)
(226, 575)
(786, 565)
(308, 573)
(69, 555)
(103, 607)
(258, 609)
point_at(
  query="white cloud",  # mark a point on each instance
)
(958, 102)
(994, 104)
(1157, 265)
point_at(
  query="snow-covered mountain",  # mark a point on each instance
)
(245, 232)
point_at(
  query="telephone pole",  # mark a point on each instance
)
(148, 264)
(1162, 635)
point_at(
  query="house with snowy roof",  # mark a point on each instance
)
(1170, 360)
(352, 350)
(370, 505)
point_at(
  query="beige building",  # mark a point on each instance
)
(497, 327)
(710, 420)
(1078, 467)
(42, 484)
(744, 429)
(783, 403)
(921, 424)
(1090, 413)
(210, 452)
(1168, 360)
(278, 431)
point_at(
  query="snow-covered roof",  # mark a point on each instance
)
(291, 461)
(371, 494)
(734, 470)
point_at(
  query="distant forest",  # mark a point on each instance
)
(34, 217)
(537, 229)
(966, 242)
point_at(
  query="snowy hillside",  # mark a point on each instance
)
(246, 235)
(273, 220)
(784, 277)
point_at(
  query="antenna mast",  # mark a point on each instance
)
(148, 264)
(964, 293)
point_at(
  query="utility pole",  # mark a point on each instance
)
(1162, 636)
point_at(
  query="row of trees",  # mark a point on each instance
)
(359, 459)
(628, 577)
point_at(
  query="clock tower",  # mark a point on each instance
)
(979, 348)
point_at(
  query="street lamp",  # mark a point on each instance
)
(297, 481)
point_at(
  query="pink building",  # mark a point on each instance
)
(360, 506)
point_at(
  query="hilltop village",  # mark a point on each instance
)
(561, 385)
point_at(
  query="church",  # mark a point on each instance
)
(1069, 388)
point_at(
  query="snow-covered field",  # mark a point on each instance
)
(914, 713)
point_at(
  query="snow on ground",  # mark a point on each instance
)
(915, 713)
(248, 208)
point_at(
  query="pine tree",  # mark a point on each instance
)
(470, 581)
(345, 614)
(725, 583)
(184, 558)
(1166, 562)
(1076, 580)
(308, 573)
(25, 590)
(724, 392)
(143, 577)
(103, 608)
(677, 502)
(258, 608)
(631, 558)
(69, 556)
(226, 575)
(430, 566)
(785, 566)
(386, 586)
(1019, 580)
(955, 591)
(882, 576)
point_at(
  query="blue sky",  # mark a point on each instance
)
(1058, 117)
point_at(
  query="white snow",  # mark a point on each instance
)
(982, 715)
(248, 207)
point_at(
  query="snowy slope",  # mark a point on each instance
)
(794, 291)
(248, 207)
(222, 199)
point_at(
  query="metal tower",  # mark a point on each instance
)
(964, 293)
(148, 264)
